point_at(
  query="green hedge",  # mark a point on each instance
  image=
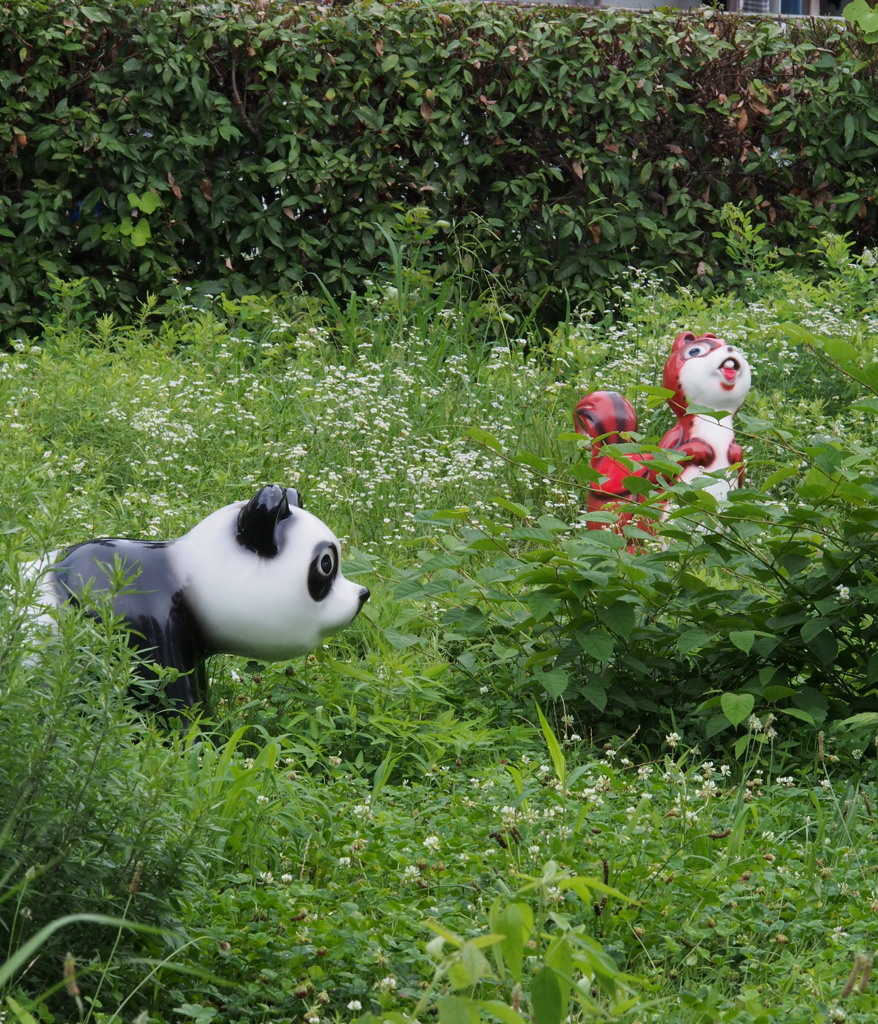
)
(259, 145)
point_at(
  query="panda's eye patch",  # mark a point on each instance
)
(322, 571)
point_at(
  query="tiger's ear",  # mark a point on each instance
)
(259, 518)
(683, 339)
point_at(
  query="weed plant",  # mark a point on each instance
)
(389, 829)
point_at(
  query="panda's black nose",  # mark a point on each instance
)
(364, 596)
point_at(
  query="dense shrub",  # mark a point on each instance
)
(253, 147)
(775, 605)
(767, 602)
(88, 820)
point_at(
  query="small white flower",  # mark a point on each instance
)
(432, 843)
(842, 593)
(262, 799)
(355, 1005)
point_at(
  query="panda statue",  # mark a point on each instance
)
(258, 578)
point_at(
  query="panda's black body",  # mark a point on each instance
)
(150, 600)
(258, 578)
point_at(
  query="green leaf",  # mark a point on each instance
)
(595, 692)
(812, 628)
(501, 1011)
(483, 437)
(149, 202)
(400, 641)
(444, 933)
(19, 1013)
(468, 967)
(737, 707)
(620, 617)
(546, 997)
(555, 752)
(535, 462)
(596, 643)
(457, 1010)
(522, 511)
(858, 12)
(554, 682)
(542, 604)
(800, 713)
(586, 887)
(742, 639)
(864, 719)
(692, 640)
(817, 486)
(197, 1012)
(97, 15)
(515, 923)
(141, 233)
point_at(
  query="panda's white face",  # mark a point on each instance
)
(263, 578)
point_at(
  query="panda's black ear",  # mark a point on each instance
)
(258, 519)
(294, 498)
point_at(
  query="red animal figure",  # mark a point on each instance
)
(701, 371)
(605, 416)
